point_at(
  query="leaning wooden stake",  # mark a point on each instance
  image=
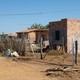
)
(41, 49)
(31, 47)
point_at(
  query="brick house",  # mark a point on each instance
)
(61, 33)
(34, 35)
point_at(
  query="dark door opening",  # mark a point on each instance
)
(57, 35)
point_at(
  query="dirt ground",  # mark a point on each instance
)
(35, 69)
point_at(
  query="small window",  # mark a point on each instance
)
(57, 35)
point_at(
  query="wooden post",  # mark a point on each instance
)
(41, 48)
(72, 52)
(76, 52)
(63, 48)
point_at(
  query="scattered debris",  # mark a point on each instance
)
(62, 72)
(64, 69)
(15, 54)
(8, 52)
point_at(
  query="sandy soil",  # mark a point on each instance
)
(30, 69)
(19, 70)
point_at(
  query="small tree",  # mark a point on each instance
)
(38, 26)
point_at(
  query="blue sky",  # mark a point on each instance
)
(13, 20)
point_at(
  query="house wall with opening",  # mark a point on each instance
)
(58, 33)
(62, 32)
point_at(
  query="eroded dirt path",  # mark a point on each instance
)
(12, 70)
(34, 69)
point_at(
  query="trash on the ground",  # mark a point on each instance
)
(15, 54)
(8, 52)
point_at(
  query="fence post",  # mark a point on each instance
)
(72, 52)
(76, 52)
(41, 48)
(63, 48)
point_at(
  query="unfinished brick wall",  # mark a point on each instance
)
(32, 36)
(73, 30)
(58, 26)
(69, 28)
